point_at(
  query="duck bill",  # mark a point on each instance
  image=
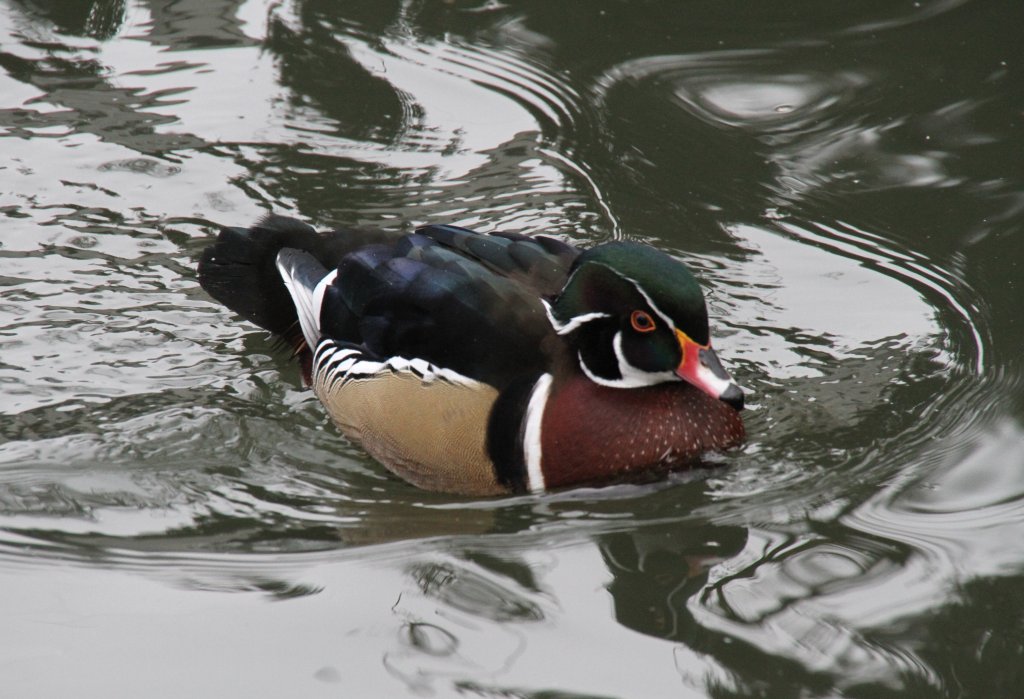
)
(700, 367)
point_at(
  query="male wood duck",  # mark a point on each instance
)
(488, 364)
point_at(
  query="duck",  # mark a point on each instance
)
(487, 364)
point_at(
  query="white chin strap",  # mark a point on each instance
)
(631, 376)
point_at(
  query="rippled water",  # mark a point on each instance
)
(176, 514)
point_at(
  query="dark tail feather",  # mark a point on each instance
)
(240, 271)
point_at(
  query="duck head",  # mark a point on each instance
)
(635, 317)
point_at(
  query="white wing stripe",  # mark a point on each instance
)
(332, 363)
(318, 294)
(287, 263)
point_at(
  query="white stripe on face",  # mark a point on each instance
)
(571, 324)
(650, 302)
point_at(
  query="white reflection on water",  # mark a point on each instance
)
(852, 308)
(463, 105)
(371, 622)
(963, 519)
(798, 598)
(837, 603)
(536, 653)
(751, 90)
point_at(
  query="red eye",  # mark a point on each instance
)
(641, 321)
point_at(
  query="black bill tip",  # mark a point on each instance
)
(733, 396)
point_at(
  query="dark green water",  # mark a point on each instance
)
(177, 518)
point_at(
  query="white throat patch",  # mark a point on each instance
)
(632, 377)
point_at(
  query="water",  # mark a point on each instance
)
(177, 516)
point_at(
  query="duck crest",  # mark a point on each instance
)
(592, 433)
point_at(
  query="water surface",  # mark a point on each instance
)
(177, 515)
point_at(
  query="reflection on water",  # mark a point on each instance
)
(852, 206)
(840, 595)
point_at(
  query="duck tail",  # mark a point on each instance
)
(241, 271)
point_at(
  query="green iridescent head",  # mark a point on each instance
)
(636, 317)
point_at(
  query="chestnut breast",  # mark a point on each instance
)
(591, 432)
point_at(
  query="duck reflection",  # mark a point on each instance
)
(765, 607)
(657, 570)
